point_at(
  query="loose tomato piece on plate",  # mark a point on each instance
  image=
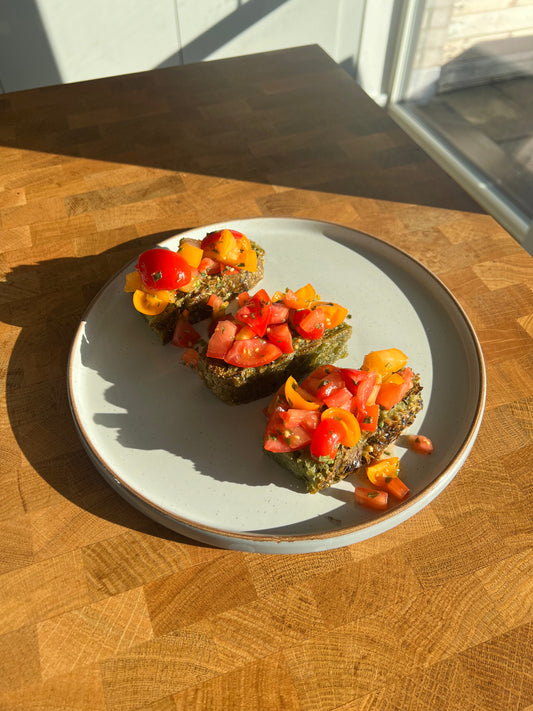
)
(252, 353)
(419, 444)
(371, 498)
(185, 335)
(256, 312)
(280, 335)
(326, 439)
(163, 269)
(309, 323)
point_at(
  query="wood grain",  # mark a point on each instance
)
(102, 608)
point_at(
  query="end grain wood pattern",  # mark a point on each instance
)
(100, 608)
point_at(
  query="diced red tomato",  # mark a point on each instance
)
(222, 339)
(279, 313)
(243, 297)
(256, 312)
(209, 266)
(308, 419)
(331, 382)
(340, 397)
(391, 393)
(280, 335)
(326, 439)
(280, 438)
(309, 323)
(371, 499)
(217, 304)
(369, 420)
(353, 377)
(252, 353)
(320, 376)
(185, 335)
(364, 391)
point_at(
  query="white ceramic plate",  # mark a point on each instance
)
(196, 465)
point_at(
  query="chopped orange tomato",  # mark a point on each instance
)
(383, 470)
(148, 303)
(191, 254)
(250, 260)
(301, 298)
(133, 282)
(225, 249)
(334, 314)
(353, 431)
(385, 362)
(299, 398)
(397, 488)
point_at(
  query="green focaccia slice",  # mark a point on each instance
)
(227, 285)
(236, 385)
(319, 475)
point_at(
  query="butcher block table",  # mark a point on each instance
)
(103, 608)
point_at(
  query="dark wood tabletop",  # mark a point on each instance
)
(101, 607)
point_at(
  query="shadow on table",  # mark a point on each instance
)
(292, 118)
(46, 302)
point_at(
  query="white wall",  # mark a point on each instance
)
(46, 42)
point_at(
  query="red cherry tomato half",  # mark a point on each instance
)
(163, 269)
(326, 438)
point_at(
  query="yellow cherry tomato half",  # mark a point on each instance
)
(147, 303)
(385, 362)
(299, 398)
(384, 470)
(353, 430)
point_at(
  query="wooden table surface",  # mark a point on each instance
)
(101, 608)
